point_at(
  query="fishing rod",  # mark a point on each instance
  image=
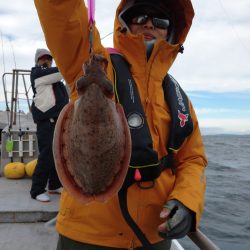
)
(3, 78)
(9, 142)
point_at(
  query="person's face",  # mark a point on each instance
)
(45, 59)
(150, 25)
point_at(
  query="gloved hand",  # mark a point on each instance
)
(179, 220)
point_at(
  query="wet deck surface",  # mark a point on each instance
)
(22, 219)
(27, 236)
(17, 206)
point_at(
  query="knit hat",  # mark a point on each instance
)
(40, 53)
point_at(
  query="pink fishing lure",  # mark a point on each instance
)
(91, 11)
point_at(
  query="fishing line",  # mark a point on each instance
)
(233, 27)
(13, 53)
(107, 35)
(4, 85)
(91, 20)
(2, 51)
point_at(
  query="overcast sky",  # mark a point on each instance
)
(216, 56)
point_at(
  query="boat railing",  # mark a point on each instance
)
(202, 241)
(16, 74)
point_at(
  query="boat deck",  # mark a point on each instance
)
(16, 206)
(22, 219)
(27, 236)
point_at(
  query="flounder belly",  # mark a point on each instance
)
(92, 147)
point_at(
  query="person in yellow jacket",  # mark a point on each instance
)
(149, 35)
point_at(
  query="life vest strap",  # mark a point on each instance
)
(122, 195)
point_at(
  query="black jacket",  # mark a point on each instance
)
(50, 94)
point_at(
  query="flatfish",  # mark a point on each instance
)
(92, 143)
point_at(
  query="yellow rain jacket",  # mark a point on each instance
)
(65, 25)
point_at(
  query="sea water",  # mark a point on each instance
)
(226, 217)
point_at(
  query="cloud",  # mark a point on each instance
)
(217, 48)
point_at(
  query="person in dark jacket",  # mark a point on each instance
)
(50, 96)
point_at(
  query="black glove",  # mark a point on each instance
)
(180, 220)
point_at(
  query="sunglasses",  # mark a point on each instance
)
(156, 21)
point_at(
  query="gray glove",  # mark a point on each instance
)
(180, 220)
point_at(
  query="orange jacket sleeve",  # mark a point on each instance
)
(65, 26)
(190, 174)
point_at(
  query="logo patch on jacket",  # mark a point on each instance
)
(183, 118)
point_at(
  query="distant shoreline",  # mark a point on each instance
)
(227, 134)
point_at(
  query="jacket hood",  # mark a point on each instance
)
(40, 53)
(180, 13)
